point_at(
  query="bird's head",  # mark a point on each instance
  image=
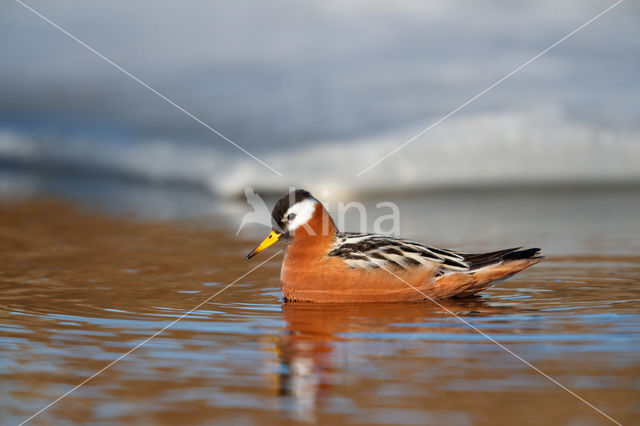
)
(291, 212)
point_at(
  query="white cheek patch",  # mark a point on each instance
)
(303, 210)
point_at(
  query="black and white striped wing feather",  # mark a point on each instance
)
(371, 251)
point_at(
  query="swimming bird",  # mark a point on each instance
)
(324, 265)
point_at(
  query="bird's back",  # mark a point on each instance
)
(378, 268)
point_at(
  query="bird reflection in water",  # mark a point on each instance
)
(322, 342)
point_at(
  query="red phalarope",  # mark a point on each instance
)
(324, 265)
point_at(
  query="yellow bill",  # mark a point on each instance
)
(272, 238)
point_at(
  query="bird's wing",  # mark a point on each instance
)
(370, 251)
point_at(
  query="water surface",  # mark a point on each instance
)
(79, 289)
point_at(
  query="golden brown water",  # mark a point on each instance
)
(80, 289)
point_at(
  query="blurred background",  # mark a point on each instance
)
(319, 91)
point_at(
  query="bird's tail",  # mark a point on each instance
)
(486, 269)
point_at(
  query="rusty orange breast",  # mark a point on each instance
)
(309, 274)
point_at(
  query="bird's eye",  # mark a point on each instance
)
(291, 216)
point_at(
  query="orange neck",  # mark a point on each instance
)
(319, 232)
